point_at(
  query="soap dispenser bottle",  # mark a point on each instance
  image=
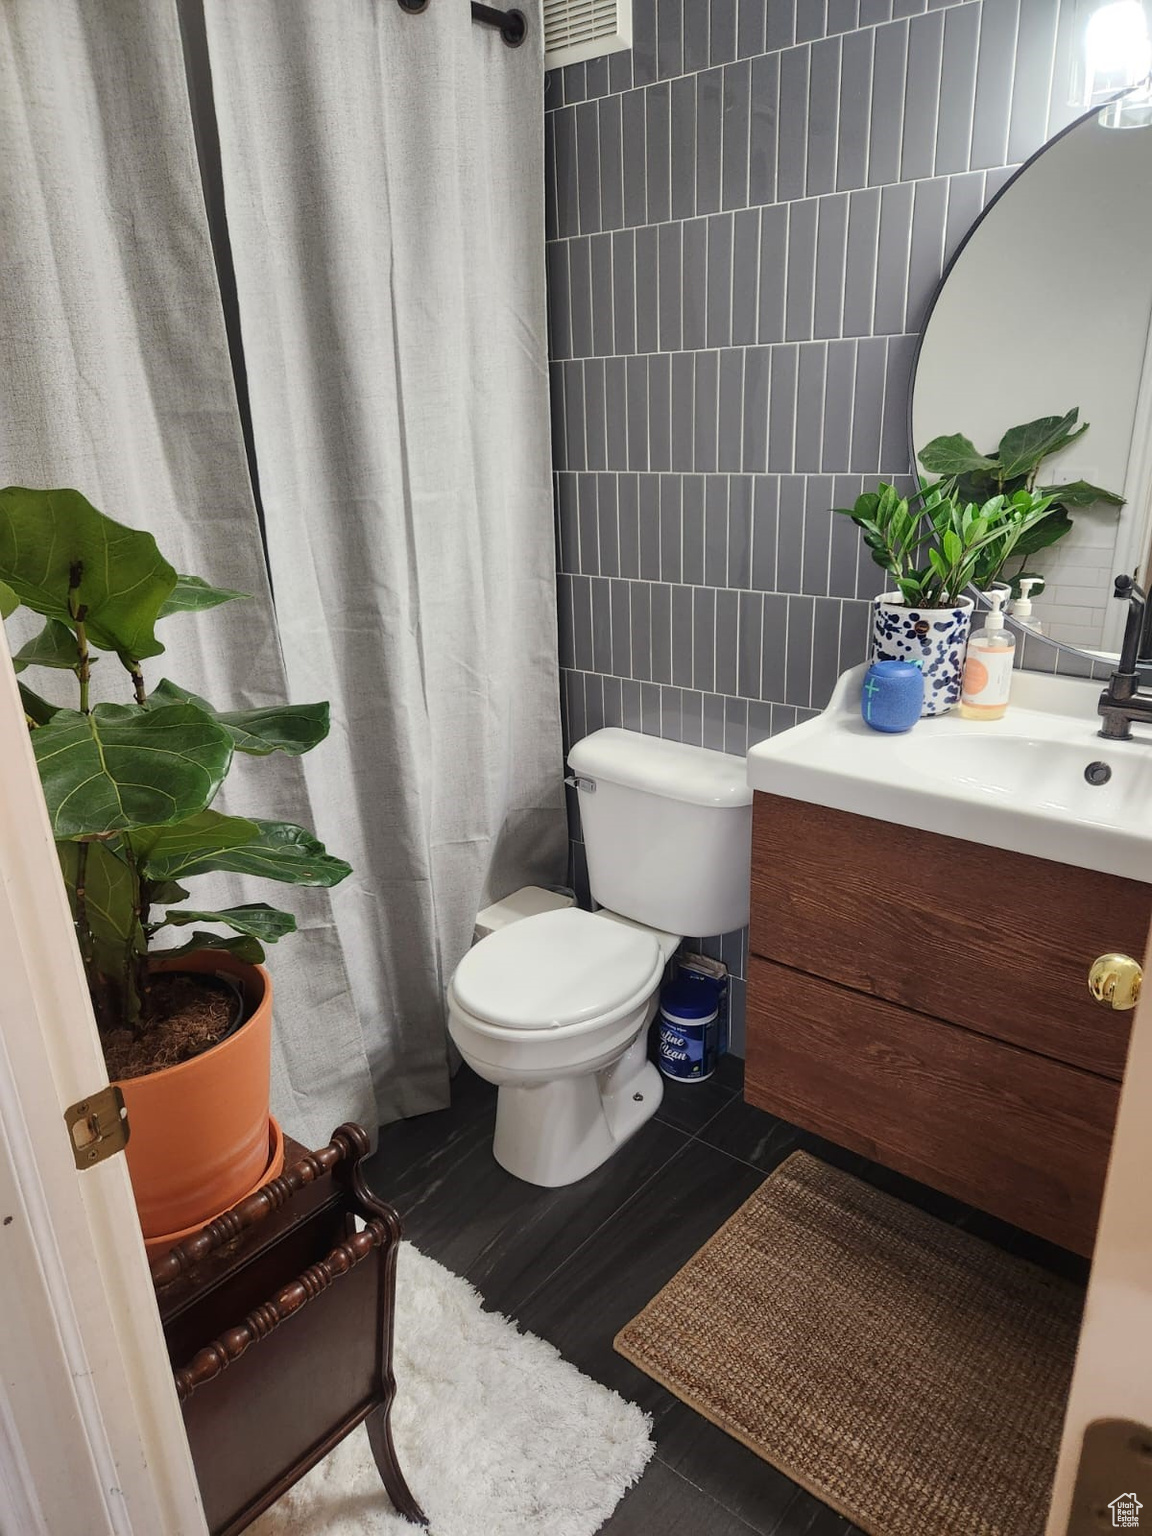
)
(988, 667)
(1022, 606)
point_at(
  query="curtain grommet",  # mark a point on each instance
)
(515, 28)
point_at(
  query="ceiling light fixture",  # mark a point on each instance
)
(1117, 64)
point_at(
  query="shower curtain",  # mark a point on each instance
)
(383, 179)
(383, 185)
(117, 380)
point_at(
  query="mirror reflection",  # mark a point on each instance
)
(1035, 370)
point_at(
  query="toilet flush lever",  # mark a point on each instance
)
(577, 782)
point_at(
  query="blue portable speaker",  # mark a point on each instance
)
(892, 697)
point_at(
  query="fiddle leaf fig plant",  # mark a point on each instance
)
(1015, 466)
(130, 785)
(932, 543)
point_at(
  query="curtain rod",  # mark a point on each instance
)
(512, 25)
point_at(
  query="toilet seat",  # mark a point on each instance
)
(557, 972)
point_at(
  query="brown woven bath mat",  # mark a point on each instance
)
(908, 1374)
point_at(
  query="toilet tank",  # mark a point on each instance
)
(667, 831)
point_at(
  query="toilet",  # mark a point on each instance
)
(554, 1008)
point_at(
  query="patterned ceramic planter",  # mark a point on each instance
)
(934, 638)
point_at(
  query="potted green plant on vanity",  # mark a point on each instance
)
(931, 544)
(130, 787)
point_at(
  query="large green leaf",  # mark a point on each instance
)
(57, 551)
(37, 709)
(291, 728)
(979, 485)
(257, 919)
(1044, 533)
(112, 942)
(109, 892)
(281, 851)
(54, 646)
(166, 853)
(244, 947)
(1079, 493)
(1022, 448)
(955, 455)
(124, 766)
(9, 602)
(192, 594)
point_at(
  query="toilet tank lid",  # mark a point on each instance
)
(674, 769)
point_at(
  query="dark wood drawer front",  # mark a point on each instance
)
(1013, 1133)
(896, 912)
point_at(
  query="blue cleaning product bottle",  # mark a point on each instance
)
(892, 697)
(689, 1028)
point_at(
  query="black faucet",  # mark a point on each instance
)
(1122, 702)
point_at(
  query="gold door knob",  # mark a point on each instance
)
(1114, 981)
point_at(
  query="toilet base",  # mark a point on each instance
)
(553, 1133)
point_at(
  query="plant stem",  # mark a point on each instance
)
(135, 952)
(83, 930)
(84, 665)
(138, 684)
(79, 612)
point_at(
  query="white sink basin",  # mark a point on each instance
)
(1016, 783)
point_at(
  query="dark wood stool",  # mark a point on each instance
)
(286, 1270)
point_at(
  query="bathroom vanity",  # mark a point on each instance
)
(922, 997)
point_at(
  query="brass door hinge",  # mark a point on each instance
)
(97, 1126)
(1114, 1479)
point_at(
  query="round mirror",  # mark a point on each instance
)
(1034, 369)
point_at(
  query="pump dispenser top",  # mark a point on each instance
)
(1022, 607)
(988, 668)
(995, 617)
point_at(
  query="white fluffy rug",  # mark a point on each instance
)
(496, 1434)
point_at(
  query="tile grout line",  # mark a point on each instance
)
(742, 346)
(686, 1139)
(869, 26)
(711, 1498)
(777, 202)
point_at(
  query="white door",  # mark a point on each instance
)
(91, 1438)
(1113, 1377)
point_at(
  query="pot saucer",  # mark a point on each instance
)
(275, 1166)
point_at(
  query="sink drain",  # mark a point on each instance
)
(1097, 773)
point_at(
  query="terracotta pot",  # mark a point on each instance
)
(198, 1132)
(274, 1167)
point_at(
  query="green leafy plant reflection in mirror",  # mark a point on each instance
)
(1015, 466)
(932, 544)
(130, 786)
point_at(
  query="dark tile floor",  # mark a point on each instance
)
(575, 1264)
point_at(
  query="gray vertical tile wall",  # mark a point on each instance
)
(747, 216)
